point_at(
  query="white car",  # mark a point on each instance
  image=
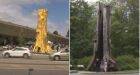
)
(61, 55)
(17, 52)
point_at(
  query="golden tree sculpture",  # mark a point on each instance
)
(41, 43)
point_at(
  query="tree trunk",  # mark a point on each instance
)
(102, 40)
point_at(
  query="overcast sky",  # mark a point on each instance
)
(23, 12)
(91, 1)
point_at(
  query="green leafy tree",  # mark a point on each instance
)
(124, 34)
(124, 29)
(55, 32)
(82, 28)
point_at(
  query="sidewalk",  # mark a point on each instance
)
(107, 73)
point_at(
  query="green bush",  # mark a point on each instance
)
(84, 61)
(73, 62)
(127, 62)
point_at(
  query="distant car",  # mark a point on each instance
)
(17, 52)
(61, 55)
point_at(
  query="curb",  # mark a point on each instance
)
(122, 72)
(89, 72)
(73, 71)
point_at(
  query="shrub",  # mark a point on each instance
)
(84, 61)
(127, 62)
(73, 63)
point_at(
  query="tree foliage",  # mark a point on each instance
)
(124, 28)
(55, 32)
(81, 22)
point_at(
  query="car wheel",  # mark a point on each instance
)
(7, 55)
(26, 56)
(56, 58)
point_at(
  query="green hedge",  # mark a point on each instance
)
(124, 62)
(127, 62)
(84, 61)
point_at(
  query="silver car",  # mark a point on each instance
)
(61, 55)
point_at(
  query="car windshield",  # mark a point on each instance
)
(19, 49)
(64, 51)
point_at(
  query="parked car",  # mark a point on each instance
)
(17, 52)
(61, 55)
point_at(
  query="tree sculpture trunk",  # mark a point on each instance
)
(102, 40)
(41, 43)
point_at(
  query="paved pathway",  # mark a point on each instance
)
(103, 73)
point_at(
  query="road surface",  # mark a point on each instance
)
(35, 72)
(40, 64)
